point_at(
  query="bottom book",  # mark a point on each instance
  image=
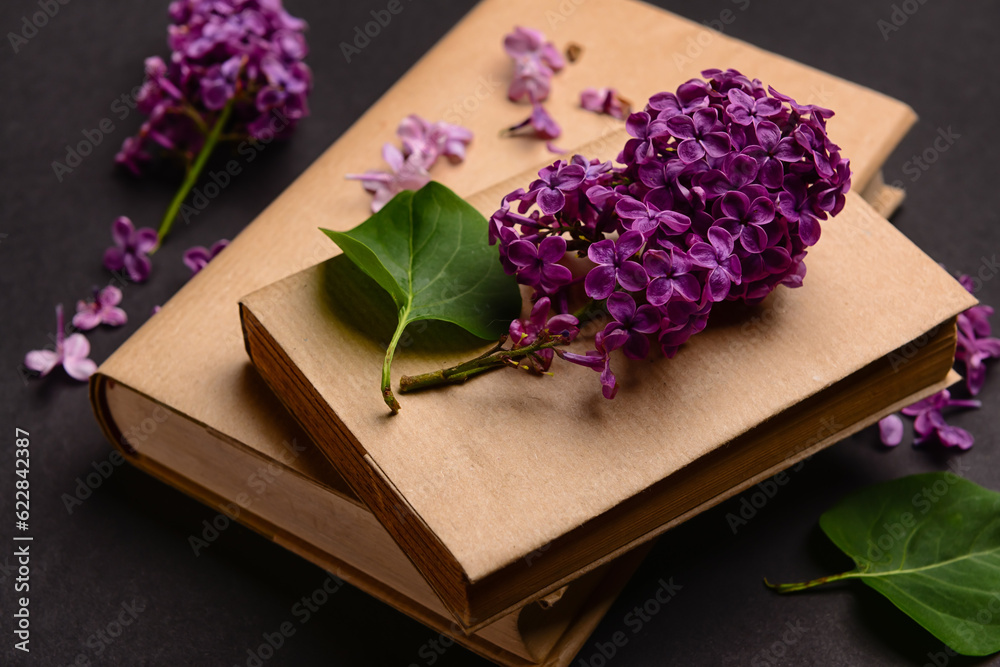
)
(310, 511)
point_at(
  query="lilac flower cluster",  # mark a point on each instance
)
(976, 344)
(423, 143)
(721, 190)
(536, 60)
(247, 53)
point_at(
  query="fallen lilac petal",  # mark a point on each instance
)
(890, 430)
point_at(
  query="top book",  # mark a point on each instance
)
(462, 79)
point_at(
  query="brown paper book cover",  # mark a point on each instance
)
(200, 374)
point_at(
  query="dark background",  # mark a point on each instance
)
(128, 542)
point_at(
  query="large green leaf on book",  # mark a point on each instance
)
(429, 250)
(931, 544)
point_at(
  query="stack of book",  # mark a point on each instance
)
(508, 513)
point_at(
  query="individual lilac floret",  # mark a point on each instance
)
(929, 421)
(606, 101)
(71, 351)
(198, 257)
(890, 430)
(425, 141)
(102, 310)
(131, 249)
(634, 322)
(247, 53)
(615, 266)
(543, 126)
(404, 174)
(524, 332)
(537, 265)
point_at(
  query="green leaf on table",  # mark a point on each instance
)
(931, 544)
(429, 250)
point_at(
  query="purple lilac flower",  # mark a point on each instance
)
(669, 277)
(131, 249)
(542, 125)
(721, 189)
(929, 422)
(71, 351)
(599, 359)
(548, 190)
(198, 257)
(606, 101)
(634, 322)
(524, 332)
(248, 52)
(615, 266)
(536, 265)
(427, 141)
(102, 310)
(700, 134)
(717, 256)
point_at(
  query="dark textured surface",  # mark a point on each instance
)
(127, 543)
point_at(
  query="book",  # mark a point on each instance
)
(189, 359)
(508, 486)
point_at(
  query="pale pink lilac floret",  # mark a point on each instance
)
(720, 191)
(71, 352)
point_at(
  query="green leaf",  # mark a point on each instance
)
(429, 250)
(931, 544)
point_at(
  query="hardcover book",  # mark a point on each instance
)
(510, 486)
(189, 363)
